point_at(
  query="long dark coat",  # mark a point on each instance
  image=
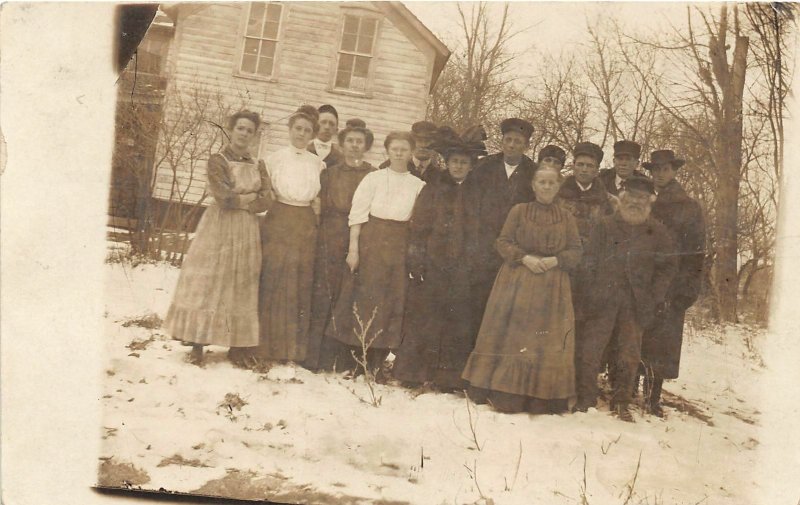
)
(609, 178)
(622, 256)
(683, 217)
(440, 328)
(497, 194)
(333, 158)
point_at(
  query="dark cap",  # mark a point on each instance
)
(551, 151)
(423, 129)
(330, 109)
(515, 124)
(663, 156)
(640, 183)
(588, 149)
(627, 147)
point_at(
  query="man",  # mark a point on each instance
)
(324, 145)
(504, 180)
(683, 217)
(626, 161)
(629, 262)
(425, 163)
(582, 192)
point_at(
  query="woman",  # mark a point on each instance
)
(216, 299)
(375, 288)
(439, 330)
(288, 235)
(524, 355)
(338, 183)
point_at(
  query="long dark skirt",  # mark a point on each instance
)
(378, 286)
(288, 235)
(439, 331)
(329, 269)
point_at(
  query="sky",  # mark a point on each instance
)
(554, 28)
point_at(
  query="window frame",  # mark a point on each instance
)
(242, 37)
(361, 13)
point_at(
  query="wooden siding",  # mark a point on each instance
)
(205, 56)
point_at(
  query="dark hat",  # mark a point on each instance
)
(627, 147)
(518, 125)
(640, 183)
(330, 109)
(663, 156)
(357, 125)
(551, 151)
(423, 129)
(589, 149)
(448, 142)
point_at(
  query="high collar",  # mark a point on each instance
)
(231, 154)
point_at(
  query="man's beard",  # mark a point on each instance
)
(634, 214)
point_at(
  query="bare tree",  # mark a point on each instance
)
(476, 85)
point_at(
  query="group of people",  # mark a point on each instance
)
(490, 274)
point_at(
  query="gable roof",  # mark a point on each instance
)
(440, 50)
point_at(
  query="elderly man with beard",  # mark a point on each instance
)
(629, 264)
(683, 217)
(626, 161)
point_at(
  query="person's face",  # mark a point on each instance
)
(663, 174)
(423, 150)
(585, 169)
(399, 151)
(243, 133)
(625, 164)
(546, 183)
(634, 206)
(301, 132)
(459, 166)
(328, 126)
(514, 145)
(355, 143)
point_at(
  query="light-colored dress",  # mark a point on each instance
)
(288, 240)
(215, 301)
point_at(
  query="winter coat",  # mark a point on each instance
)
(620, 256)
(587, 206)
(683, 217)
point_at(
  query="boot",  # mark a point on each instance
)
(622, 411)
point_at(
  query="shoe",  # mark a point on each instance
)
(656, 410)
(583, 406)
(623, 413)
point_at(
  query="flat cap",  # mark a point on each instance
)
(518, 125)
(640, 183)
(627, 147)
(552, 151)
(424, 129)
(588, 149)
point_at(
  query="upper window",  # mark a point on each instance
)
(261, 39)
(355, 52)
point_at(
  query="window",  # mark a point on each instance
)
(355, 52)
(261, 39)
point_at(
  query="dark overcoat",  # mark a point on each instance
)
(683, 217)
(587, 206)
(609, 178)
(434, 172)
(620, 256)
(497, 194)
(440, 328)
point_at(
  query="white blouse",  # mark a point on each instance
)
(295, 175)
(385, 194)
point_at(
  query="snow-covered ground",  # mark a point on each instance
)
(293, 436)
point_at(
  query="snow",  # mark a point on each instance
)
(314, 437)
